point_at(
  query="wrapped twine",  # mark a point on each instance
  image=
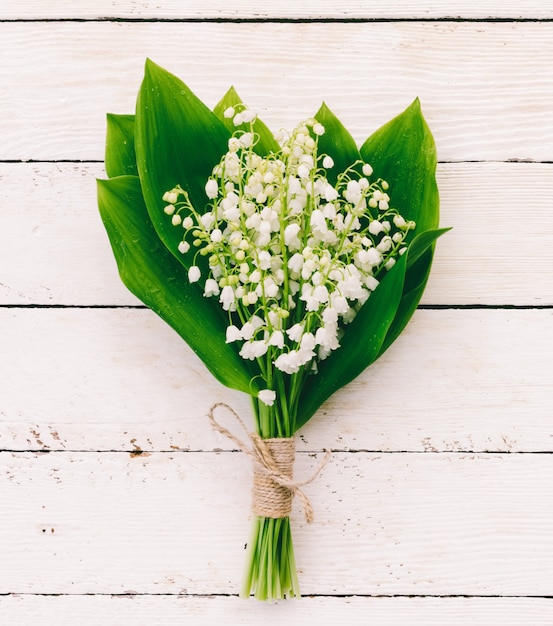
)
(273, 461)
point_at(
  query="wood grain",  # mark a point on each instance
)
(304, 9)
(141, 610)
(475, 80)
(121, 379)
(176, 523)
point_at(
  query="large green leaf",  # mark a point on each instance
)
(178, 141)
(403, 153)
(159, 280)
(336, 142)
(360, 345)
(120, 154)
(266, 142)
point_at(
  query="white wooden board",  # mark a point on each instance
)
(492, 256)
(304, 9)
(145, 610)
(122, 380)
(177, 523)
(475, 80)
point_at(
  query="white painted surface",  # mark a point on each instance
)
(119, 380)
(486, 88)
(177, 523)
(136, 610)
(436, 507)
(288, 9)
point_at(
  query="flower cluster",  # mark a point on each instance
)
(291, 256)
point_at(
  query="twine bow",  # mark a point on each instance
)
(273, 459)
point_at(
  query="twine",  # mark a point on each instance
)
(273, 461)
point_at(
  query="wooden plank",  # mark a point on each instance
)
(98, 379)
(486, 88)
(388, 524)
(67, 258)
(140, 610)
(305, 9)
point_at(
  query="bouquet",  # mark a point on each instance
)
(288, 262)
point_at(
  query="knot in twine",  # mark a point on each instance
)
(273, 460)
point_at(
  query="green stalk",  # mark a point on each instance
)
(270, 569)
(270, 572)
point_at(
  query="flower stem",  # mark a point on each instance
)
(270, 565)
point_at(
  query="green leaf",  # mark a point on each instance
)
(422, 242)
(266, 143)
(403, 153)
(359, 347)
(120, 154)
(159, 280)
(413, 288)
(336, 142)
(178, 141)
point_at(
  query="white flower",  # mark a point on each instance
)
(295, 263)
(319, 129)
(248, 115)
(277, 339)
(327, 338)
(170, 196)
(399, 221)
(374, 257)
(211, 288)
(233, 146)
(291, 236)
(176, 220)
(371, 282)
(303, 171)
(267, 396)
(307, 342)
(194, 274)
(227, 297)
(184, 247)
(289, 362)
(229, 113)
(233, 334)
(216, 235)
(295, 332)
(249, 328)
(207, 220)
(254, 349)
(330, 193)
(264, 260)
(211, 189)
(328, 162)
(246, 140)
(367, 169)
(330, 316)
(385, 245)
(375, 227)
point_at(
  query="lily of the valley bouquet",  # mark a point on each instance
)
(289, 262)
